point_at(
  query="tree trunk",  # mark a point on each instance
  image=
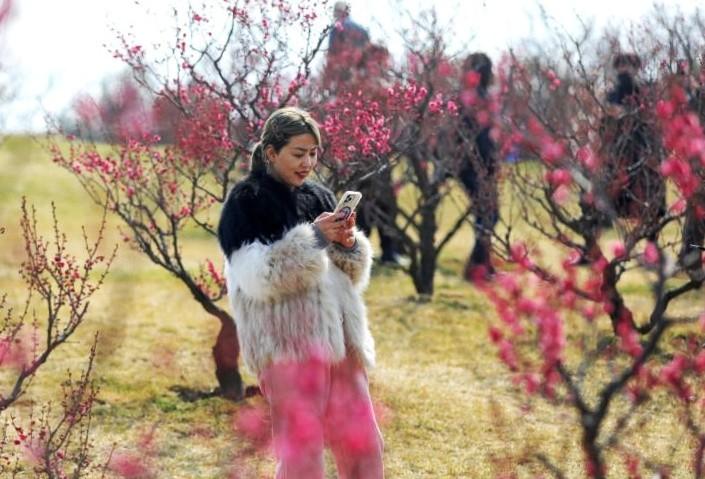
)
(226, 350)
(225, 353)
(427, 247)
(596, 468)
(699, 457)
(620, 312)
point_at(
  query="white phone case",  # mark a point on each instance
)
(348, 202)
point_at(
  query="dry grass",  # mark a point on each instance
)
(449, 407)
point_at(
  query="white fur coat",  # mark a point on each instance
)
(292, 295)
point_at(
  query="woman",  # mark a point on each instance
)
(295, 274)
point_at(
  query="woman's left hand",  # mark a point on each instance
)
(346, 236)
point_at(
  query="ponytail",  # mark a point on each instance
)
(257, 163)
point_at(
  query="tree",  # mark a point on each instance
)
(50, 444)
(380, 119)
(594, 167)
(228, 67)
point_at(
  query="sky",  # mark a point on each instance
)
(56, 50)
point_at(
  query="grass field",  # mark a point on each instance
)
(449, 408)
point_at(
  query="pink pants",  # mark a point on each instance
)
(316, 403)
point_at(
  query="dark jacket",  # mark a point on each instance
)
(631, 175)
(260, 208)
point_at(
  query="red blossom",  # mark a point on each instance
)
(5, 9)
(551, 151)
(130, 466)
(629, 337)
(586, 156)
(559, 176)
(356, 129)
(699, 362)
(561, 194)
(471, 80)
(674, 370)
(619, 251)
(632, 463)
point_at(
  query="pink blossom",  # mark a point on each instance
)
(508, 283)
(508, 355)
(508, 316)
(519, 253)
(673, 371)
(551, 336)
(483, 118)
(445, 69)
(130, 466)
(254, 424)
(560, 176)
(589, 312)
(468, 97)
(531, 383)
(619, 251)
(699, 362)
(495, 334)
(572, 259)
(527, 306)
(13, 353)
(678, 207)
(651, 253)
(632, 463)
(471, 80)
(551, 151)
(629, 337)
(561, 195)
(664, 109)
(587, 158)
(5, 9)
(434, 106)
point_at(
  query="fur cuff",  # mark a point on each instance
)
(355, 262)
(288, 266)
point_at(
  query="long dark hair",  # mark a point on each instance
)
(482, 64)
(278, 130)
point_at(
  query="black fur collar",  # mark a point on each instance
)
(260, 208)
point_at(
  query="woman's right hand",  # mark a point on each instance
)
(329, 225)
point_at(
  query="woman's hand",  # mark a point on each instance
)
(337, 230)
(329, 225)
(347, 233)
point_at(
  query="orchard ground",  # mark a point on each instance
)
(448, 406)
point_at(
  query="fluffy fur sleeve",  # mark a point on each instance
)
(289, 266)
(355, 262)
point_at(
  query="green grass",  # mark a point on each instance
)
(449, 409)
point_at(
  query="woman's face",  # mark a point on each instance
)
(295, 161)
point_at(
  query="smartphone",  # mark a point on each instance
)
(348, 202)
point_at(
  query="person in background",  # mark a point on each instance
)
(345, 34)
(354, 60)
(347, 41)
(478, 164)
(693, 232)
(295, 274)
(631, 180)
